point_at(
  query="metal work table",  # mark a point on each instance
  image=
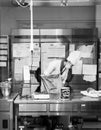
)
(77, 105)
(6, 112)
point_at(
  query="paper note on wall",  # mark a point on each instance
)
(77, 69)
(56, 51)
(86, 55)
(84, 48)
(89, 69)
(99, 75)
(36, 53)
(44, 47)
(3, 40)
(35, 62)
(18, 76)
(71, 47)
(21, 50)
(36, 56)
(90, 78)
(3, 58)
(26, 74)
(19, 64)
(3, 52)
(3, 64)
(86, 51)
(3, 46)
(50, 52)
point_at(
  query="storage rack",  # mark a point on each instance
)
(4, 57)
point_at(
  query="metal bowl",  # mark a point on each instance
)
(5, 89)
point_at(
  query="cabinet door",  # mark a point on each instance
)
(4, 121)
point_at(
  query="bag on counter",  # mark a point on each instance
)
(51, 83)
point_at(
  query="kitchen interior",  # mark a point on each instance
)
(33, 33)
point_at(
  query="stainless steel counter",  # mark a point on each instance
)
(6, 112)
(76, 105)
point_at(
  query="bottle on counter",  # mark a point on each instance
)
(65, 92)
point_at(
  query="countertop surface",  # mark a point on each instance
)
(54, 98)
(77, 104)
(10, 98)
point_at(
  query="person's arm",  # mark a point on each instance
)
(51, 67)
(65, 71)
(72, 59)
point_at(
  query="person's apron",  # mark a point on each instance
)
(51, 83)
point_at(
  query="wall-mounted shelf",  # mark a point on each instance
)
(4, 57)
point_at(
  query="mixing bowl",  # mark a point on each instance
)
(5, 89)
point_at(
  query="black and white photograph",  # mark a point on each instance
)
(50, 64)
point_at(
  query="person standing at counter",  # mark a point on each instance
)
(63, 67)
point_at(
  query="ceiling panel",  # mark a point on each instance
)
(5, 3)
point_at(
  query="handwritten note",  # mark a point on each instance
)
(3, 64)
(21, 50)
